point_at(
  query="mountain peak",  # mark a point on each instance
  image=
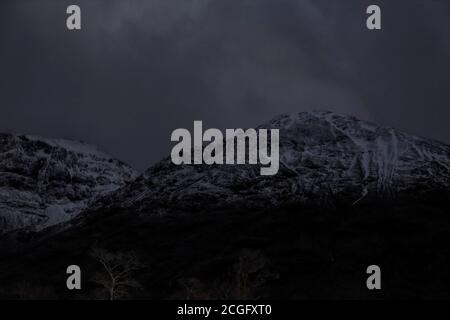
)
(47, 181)
(67, 144)
(321, 154)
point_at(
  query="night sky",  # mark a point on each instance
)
(141, 68)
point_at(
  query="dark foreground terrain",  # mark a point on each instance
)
(291, 252)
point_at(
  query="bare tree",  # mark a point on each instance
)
(118, 269)
(248, 278)
(194, 289)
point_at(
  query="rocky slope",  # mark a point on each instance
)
(44, 182)
(396, 216)
(322, 155)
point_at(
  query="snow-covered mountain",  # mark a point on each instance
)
(322, 154)
(44, 182)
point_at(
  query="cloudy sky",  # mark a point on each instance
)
(141, 68)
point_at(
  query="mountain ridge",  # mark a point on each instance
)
(322, 154)
(47, 181)
(312, 224)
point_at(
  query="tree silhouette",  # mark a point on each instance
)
(118, 269)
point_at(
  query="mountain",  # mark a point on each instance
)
(44, 182)
(323, 155)
(349, 194)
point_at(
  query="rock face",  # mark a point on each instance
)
(322, 154)
(44, 182)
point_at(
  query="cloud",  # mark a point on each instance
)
(142, 68)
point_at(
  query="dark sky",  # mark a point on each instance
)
(141, 68)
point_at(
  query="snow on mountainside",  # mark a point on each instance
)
(321, 154)
(44, 182)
